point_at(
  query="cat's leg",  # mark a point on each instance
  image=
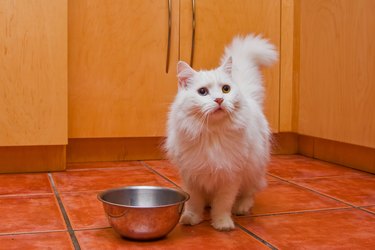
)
(193, 213)
(222, 203)
(245, 199)
(243, 203)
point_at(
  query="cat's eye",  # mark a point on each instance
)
(225, 89)
(203, 91)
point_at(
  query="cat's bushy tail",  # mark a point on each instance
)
(248, 53)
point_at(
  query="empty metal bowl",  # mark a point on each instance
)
(143, 212)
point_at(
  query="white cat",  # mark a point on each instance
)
(217, 133)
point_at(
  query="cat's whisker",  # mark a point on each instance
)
(231, 117)
(201, 118)
(206, 122)
(208, 113)
(202, 123)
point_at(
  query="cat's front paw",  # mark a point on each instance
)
(224, 223)
(190, 218)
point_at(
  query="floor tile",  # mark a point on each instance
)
(201, 236)
(297, 167)
(11, 184)
(85, 211)
(356, 190)
(281, 197)
(33, 213)
(167, 169)
(370, 208)
(38, 241)
(95, 165)
(335, 229)
(100, 179)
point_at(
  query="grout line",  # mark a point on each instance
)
(365, 210)
(25, 194)
(309, 178)
(64, 214)
(33, 232)
(315, 191)
(256, 237)
(101, 168)
(296, 212)
(93, 228)
(325, 195)
(159, 174)
(317, 177)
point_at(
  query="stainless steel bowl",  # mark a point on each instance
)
(143, 212)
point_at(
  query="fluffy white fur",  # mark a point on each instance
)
(222, 150)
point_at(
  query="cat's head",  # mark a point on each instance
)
(208, 94)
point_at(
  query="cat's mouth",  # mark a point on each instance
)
(218, 110)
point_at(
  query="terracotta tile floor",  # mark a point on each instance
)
(308, 204)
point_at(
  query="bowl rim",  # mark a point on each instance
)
(180, 191)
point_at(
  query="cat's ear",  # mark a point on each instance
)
(184, 73)
(227, 66)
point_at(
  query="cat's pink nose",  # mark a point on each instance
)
(219, 100)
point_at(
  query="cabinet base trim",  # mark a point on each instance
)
(114, 149)
(358, 157)
(20, 159)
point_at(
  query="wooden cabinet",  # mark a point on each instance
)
(33, 72)
(337, 71)
(33, 85)
(118, 84)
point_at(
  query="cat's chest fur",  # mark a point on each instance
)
(217, 150)
(214, 158)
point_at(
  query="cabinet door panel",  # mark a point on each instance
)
(118, 85)
(33, 72)
(217, 22)
(337, 76)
